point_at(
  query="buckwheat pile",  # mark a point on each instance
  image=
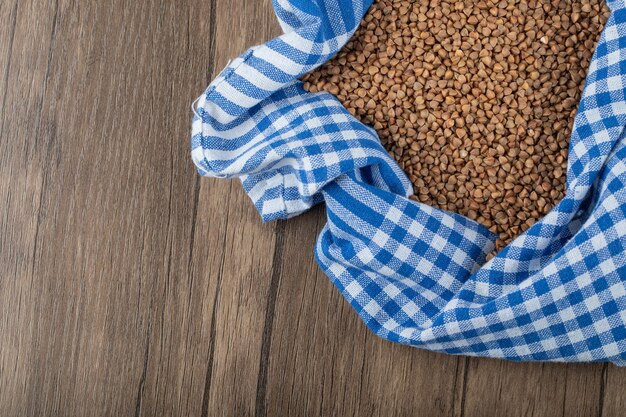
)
(475, 99)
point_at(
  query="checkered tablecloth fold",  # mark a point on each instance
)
(416, 274)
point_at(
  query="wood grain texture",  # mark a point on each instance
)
(131, 287)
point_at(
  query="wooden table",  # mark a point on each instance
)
(131, 287)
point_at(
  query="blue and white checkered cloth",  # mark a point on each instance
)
(415, 274)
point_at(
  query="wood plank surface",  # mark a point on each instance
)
(131, 287)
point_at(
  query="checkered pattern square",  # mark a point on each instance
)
(415, 274)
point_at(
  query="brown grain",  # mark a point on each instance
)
(474, 99)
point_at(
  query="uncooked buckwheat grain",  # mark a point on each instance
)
(474, 99)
